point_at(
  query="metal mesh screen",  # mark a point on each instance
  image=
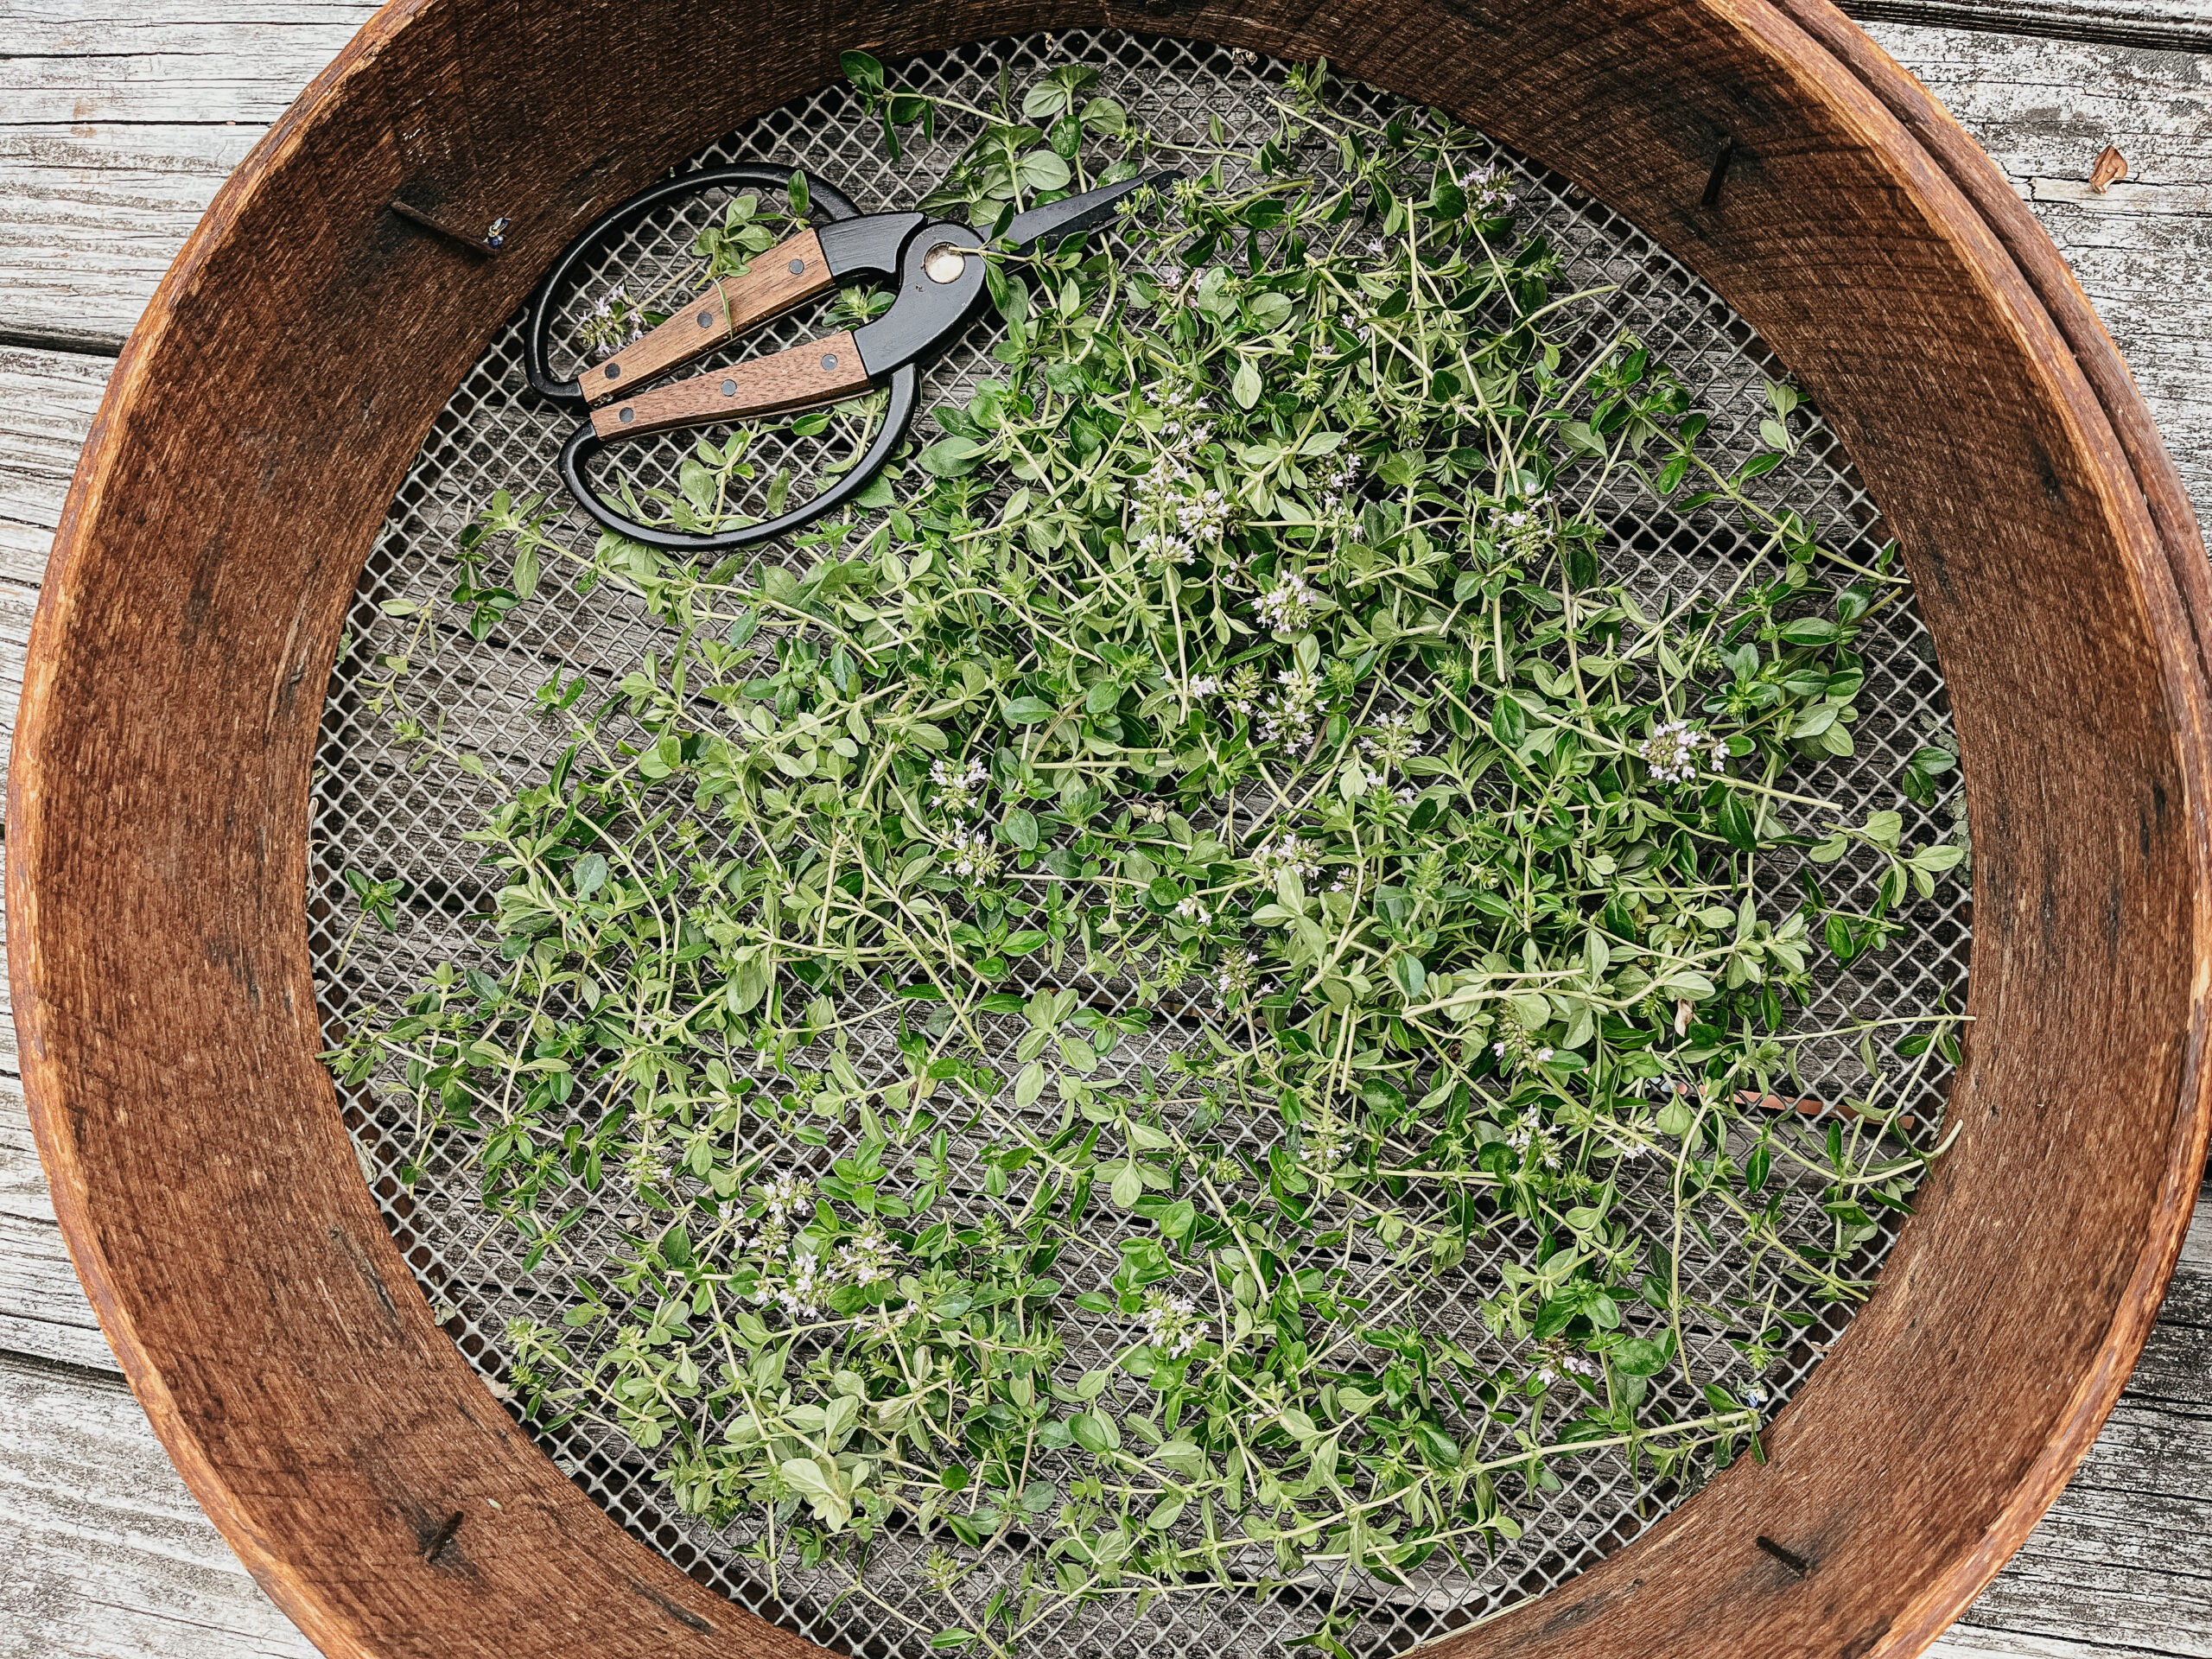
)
(380, 808)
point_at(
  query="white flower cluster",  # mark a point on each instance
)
(787, 1197)
(1236, 974)
(1288, 714)
(1284, 715)
(1525, 531)
(1171, 1323)
(1181, 513)
(1188, 525)
(784, 1200)
(1675, 748)
(1192, 909)
(612, 324)
(959, 792)
(1320, 1150)
(1556, 1361)
(974, 854)
(1488, 191)
(867, 1258)
(1288, 606)
(1335, 482)
(1393, 742)
(1529, 1130)
(645, 1164)
(802, 1286)
(1285, 854)
(1514, 1047)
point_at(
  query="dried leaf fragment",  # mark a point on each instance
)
(2111, 167)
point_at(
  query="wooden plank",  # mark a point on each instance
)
(2142, 250)
(103, 1552)
(65, 63)
(2164, 25)
(2118, 1568)
(50, 398)
(90, 218)
(43, 1312)
(121, 122)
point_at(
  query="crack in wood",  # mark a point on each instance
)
(2158, 27)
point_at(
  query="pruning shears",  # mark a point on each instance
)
(939, 268)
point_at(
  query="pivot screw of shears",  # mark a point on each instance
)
(945, 263)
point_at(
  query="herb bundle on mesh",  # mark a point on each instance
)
(1066, 975)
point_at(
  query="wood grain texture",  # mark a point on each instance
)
(2160, 25)
(2043, 110)
(104, 1551)
(71, 62)
(90, 218)
(725, 310)
(820, 372)
(118, 123)
(2119, 1425)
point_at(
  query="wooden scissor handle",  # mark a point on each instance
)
(537, 321)
(822, 371)
(789, 274)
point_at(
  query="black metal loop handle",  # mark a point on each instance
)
(585, 442)
(537, 322)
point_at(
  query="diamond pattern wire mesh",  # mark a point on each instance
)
(380, 810)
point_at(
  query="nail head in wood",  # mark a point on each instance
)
(442, 1536)
(1789, 1558)
(1718, 176)
(415, 215)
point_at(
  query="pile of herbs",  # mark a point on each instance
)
(1068, 968)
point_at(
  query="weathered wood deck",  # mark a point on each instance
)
(115, 126)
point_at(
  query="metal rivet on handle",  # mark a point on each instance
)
(799, 267)
(729, 388)
(614, 371)
(943, 262)
(706, 319)
(830, 359)
(628, 416)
